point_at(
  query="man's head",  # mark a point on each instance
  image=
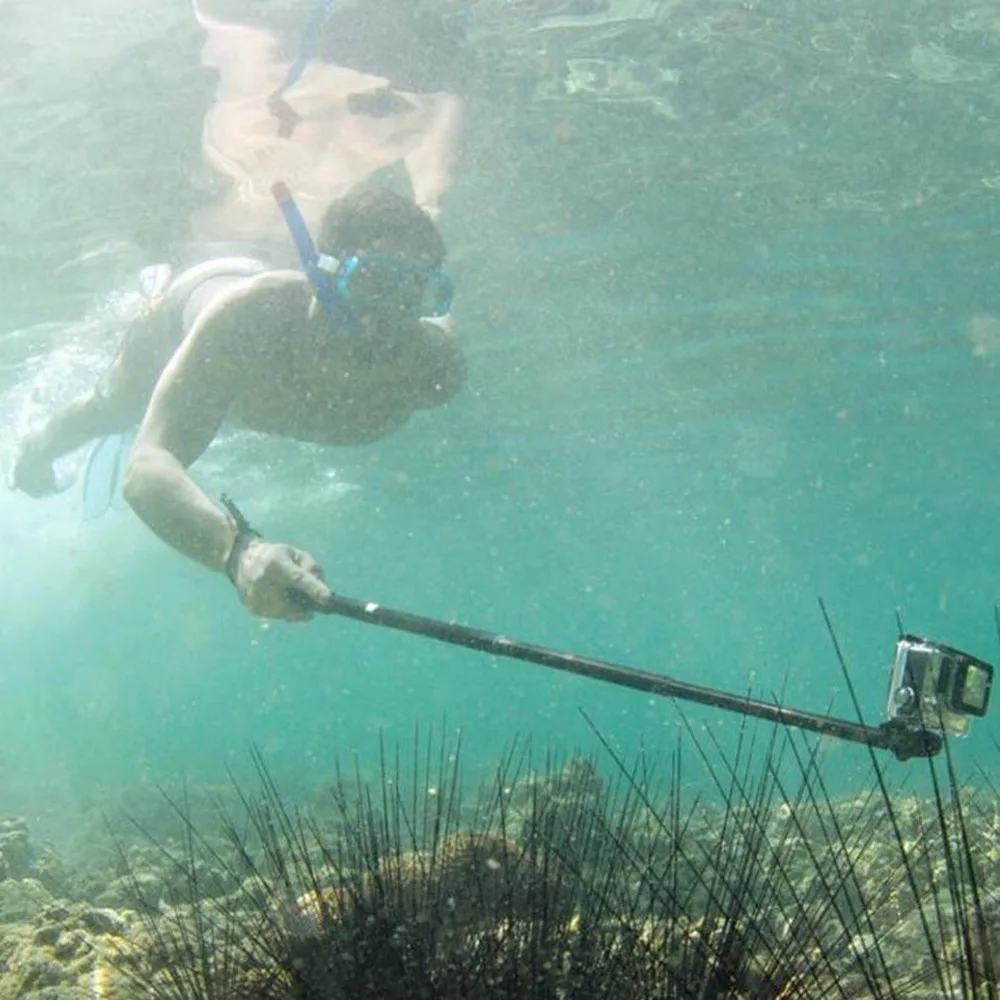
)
(388, 254)
(377, 219)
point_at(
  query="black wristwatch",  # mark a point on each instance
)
(245, 534)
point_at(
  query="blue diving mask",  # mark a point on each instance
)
(364, 281)
(373, 280)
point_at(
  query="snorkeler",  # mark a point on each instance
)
(341, 354)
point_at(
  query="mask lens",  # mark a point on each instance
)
(437, 294)
(392, 281)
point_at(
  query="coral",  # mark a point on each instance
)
(59, 953)
(21, 858)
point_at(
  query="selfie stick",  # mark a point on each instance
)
(894, 735)
(903, 741)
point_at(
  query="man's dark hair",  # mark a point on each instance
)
(352, 224)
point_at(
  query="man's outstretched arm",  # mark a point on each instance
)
(188, 406)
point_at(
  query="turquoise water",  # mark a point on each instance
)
(684, 423)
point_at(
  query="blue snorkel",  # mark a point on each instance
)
(288, 117)
(340, 316)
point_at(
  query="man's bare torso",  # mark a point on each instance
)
(300, 377)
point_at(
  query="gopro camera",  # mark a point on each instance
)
(932, 686)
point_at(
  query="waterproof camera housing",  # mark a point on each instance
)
(936, 687)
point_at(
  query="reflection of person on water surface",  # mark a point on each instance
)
(371, 86)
